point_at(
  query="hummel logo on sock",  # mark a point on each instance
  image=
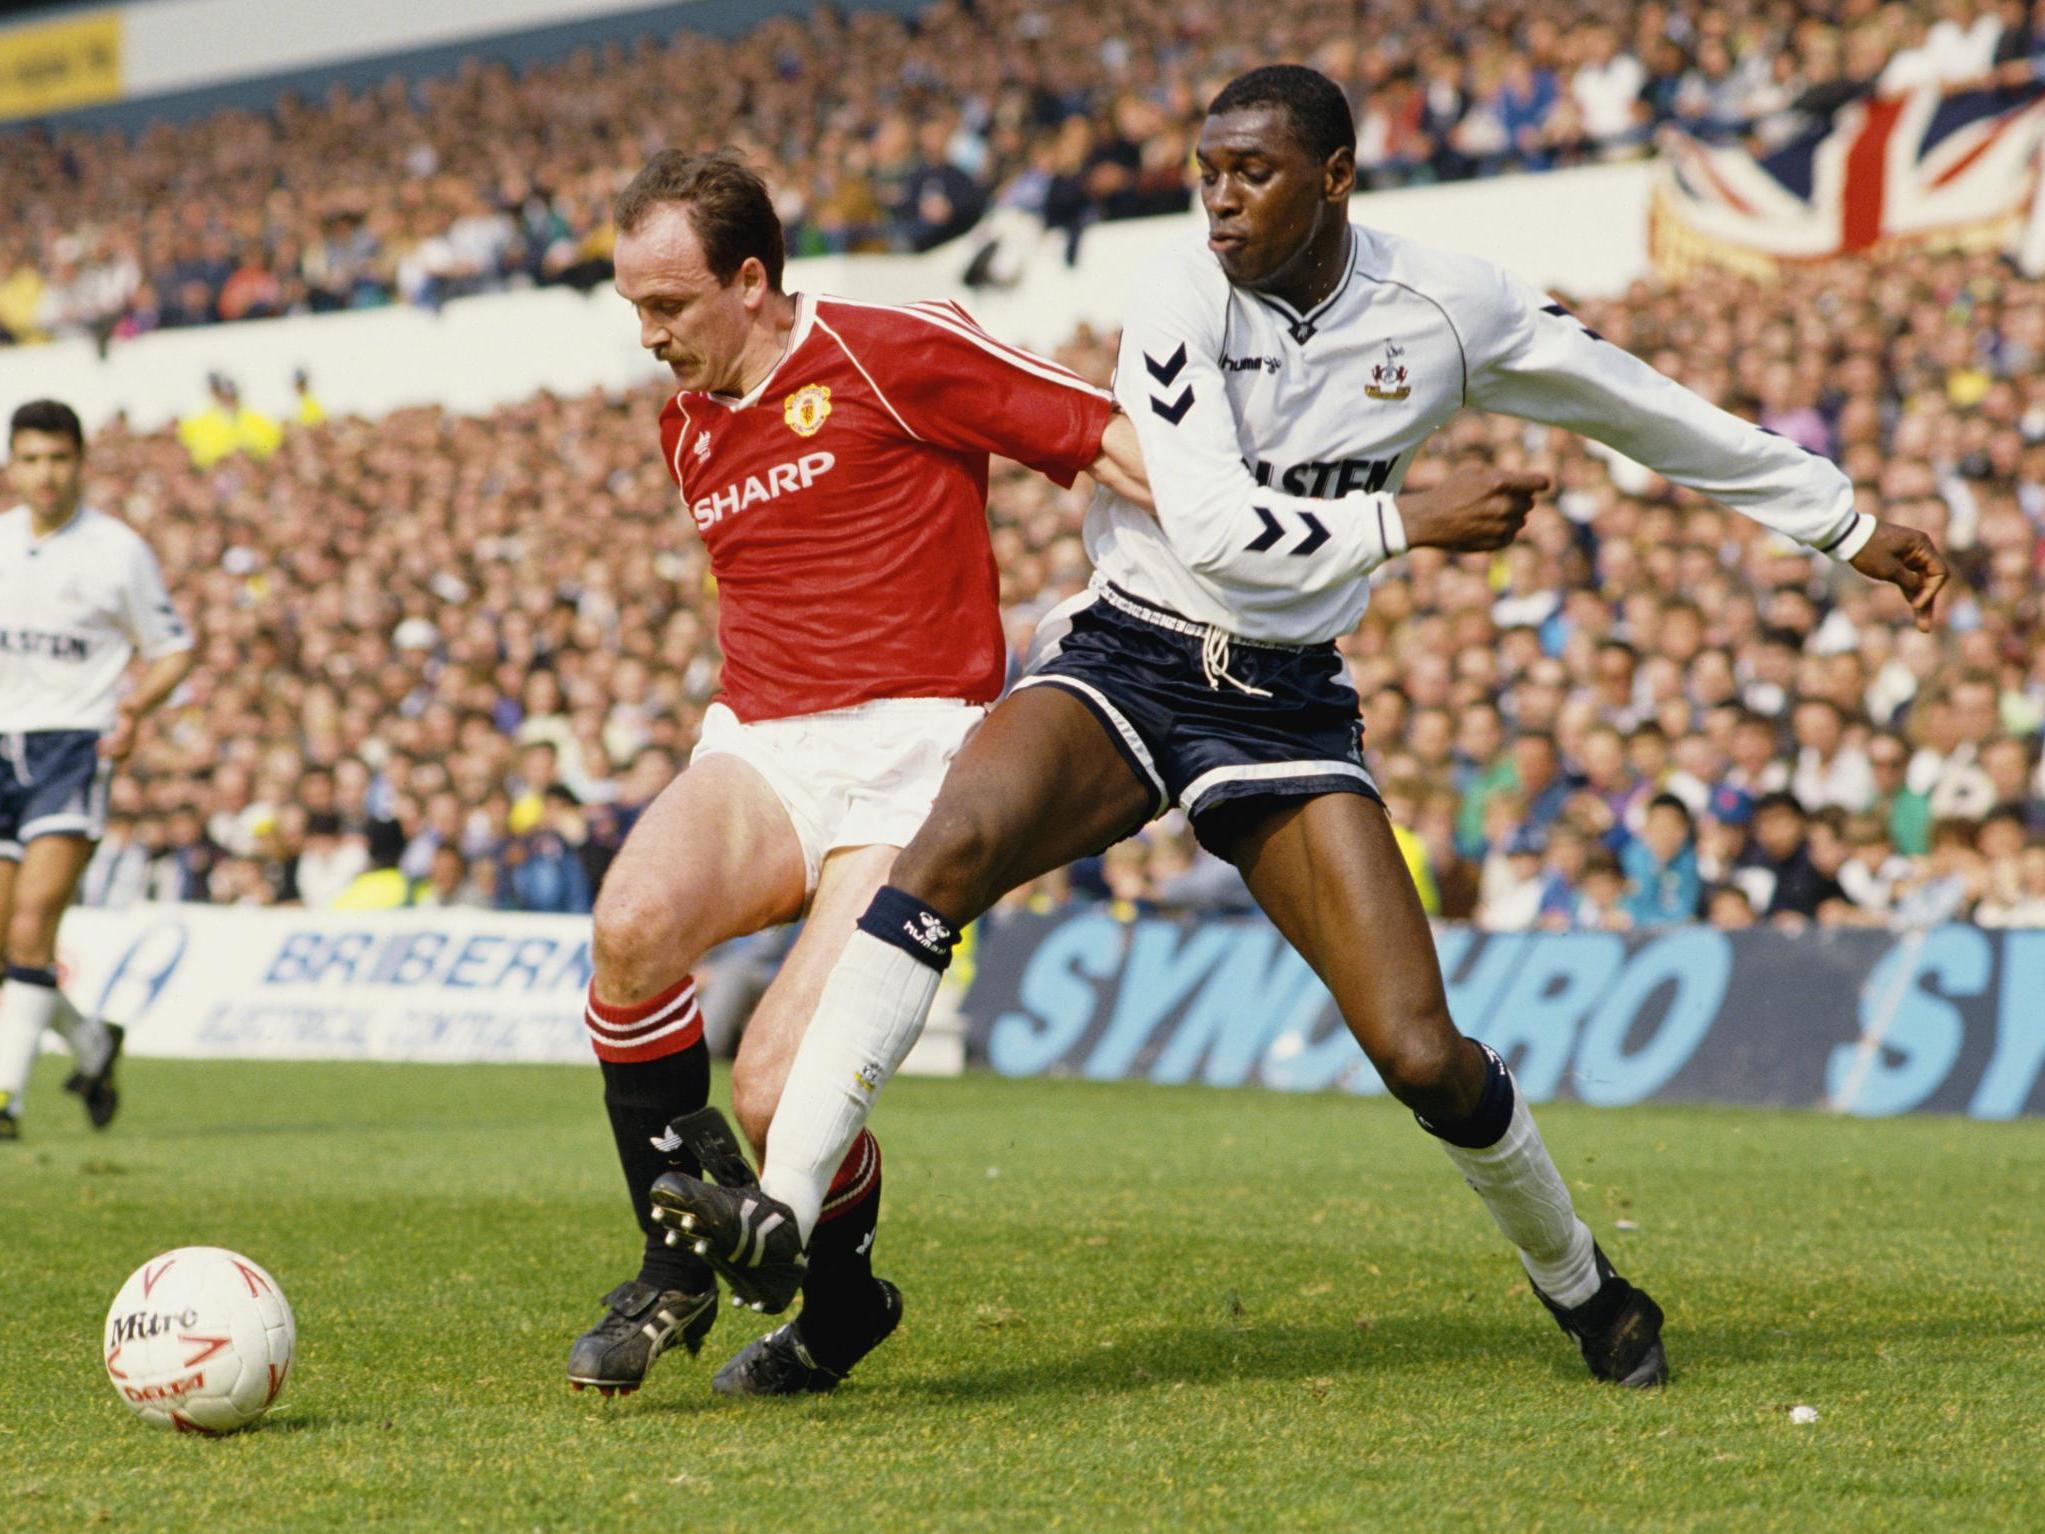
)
(934, 934)
(902, 921)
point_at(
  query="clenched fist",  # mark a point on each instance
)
(1476, 509)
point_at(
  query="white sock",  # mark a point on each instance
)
(1518, 1182)
(870, 1014)
(26, 1007)
(87, 1037)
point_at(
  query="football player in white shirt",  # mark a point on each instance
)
(1281, 379)
(80, 596)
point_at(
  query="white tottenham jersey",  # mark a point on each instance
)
(1274, 441)
(75, 607)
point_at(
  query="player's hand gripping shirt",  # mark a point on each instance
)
(1274, 440)
(75, 608)
(844, 503)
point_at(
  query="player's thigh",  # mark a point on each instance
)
(714, 857)
(44, 882)
(1329, 873)
(845, 886)
(9, 868)
(1039, 784)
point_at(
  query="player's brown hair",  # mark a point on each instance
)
(727, 201)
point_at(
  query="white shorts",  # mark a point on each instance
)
(864, 776)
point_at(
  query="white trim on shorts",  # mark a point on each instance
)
(70, 823)
(1123, 728)
(1262, 772)
(90, 822)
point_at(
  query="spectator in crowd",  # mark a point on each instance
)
(543, 869)
(1660, 865)
(118, 874)
(1601, 903)
(1906, 814)
(1729, 908)
(227, 426)
(2015, 893)
(307, 409)
(447, 883)
(1777, 870)
(1949, 880)
(1515, 883)
(382, 885)
(1829, 769)
(1541, 777)
(329, 860)
(1871, 874)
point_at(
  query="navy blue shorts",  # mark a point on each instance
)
(1201, 722)
(52, 783)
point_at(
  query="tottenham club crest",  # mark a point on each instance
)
(1388, 378)
(807, 409)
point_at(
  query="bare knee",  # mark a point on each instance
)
(1427, 1067)
(635, 947)
(950, 864)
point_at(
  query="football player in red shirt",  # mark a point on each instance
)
(833, 456)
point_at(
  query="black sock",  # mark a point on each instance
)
(641, 1096)
(841, 1304)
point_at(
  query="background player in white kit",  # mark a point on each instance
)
(80, 597)
(1282, 378)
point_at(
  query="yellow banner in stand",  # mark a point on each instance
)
(52, 66)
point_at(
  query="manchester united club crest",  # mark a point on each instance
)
(807, 409)
(1388, 378)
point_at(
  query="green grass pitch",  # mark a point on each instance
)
(1127, 1308)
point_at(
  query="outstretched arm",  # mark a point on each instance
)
(1531, 358)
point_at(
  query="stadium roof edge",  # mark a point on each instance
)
(521, 47)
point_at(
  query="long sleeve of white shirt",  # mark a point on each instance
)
(1531, 358)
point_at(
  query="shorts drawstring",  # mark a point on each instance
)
(1216, 644)
(1214, 657)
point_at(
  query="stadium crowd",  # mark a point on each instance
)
(447, 660)
(896, 134)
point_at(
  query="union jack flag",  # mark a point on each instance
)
(1921, 167)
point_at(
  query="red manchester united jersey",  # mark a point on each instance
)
(844, 502)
